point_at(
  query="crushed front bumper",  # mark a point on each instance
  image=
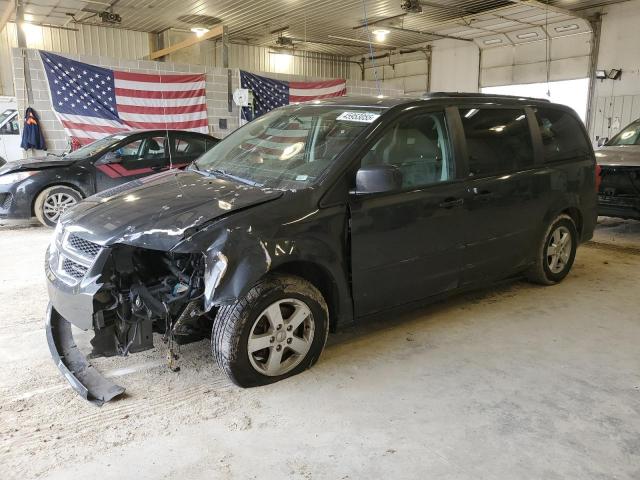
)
(75, 367)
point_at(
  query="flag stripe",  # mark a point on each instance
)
(152, 102)
(153, 78)
(175, 87)
(88, 128)
(161, 110)
(294, 99)
(126, 92)
(320, 84)
(170, 125)
(89, 120)
(184, 117)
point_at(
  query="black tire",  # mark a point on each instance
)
(45, 217)
(234, 324)
(541, 272)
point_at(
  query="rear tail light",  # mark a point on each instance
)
(598, 177)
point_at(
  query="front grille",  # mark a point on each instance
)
(74, 269)
(5, 201)
(85, 247)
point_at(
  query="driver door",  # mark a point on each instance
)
(406, 244)
(141, 157)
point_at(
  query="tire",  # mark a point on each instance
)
(252, 322)
(52, 202)
(551, 268)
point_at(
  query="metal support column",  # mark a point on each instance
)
(22, 44)
(596, 27)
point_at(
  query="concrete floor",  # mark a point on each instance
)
(518, 382)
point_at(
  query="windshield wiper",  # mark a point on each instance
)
(223, 173)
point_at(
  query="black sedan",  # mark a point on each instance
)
(47, 186)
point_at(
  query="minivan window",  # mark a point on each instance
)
(562, 135)
(288, 148)
(419, 147)
(498, 140)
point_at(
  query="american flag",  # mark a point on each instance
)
(269, 93)
(93, 102)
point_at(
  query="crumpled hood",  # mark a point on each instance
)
(627, 155)
(35, 163)
(159, 211)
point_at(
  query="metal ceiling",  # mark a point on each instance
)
(329, 26)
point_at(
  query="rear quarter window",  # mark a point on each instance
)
(562, 135)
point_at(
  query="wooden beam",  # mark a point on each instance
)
(5, 15)
(216, 31)
(544, 6)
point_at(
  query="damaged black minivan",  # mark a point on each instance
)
(315, 215)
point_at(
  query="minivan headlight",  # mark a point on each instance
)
(10, 178)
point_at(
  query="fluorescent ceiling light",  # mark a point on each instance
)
(492, 41)
(380, 34)
(199, 31)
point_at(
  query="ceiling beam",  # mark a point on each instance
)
(216, 31)
(551, 8)
(5, 15)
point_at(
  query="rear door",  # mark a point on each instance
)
(406, 244)
(505, 195)
(141, 156)
(188, 147)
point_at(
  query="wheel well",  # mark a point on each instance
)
(321, 279)
(61, 184)
(575, 214)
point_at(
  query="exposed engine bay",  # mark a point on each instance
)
(147, 291)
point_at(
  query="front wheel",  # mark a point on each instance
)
(277, 330)
(52, 202)
(556, 252)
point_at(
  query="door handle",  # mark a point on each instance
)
(451, 202)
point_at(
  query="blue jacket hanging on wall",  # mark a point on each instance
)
(31, 134)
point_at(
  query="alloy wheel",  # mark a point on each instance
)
(56, 204)
(559, 249)
(281, 337)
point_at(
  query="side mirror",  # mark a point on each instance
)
(602, 141)
(377, 179)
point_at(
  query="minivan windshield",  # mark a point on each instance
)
(288, 148)
(628, 136)
(96, 147)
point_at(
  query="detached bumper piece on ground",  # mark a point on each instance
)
(75, 367)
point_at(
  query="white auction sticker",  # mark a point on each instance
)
(364, 117)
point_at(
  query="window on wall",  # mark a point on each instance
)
(498, 140)
(572, 93)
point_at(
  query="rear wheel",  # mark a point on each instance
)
(556, 253)
(53, 201)
(277, 330)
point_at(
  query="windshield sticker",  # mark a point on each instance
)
(302, 178)
(363, 117)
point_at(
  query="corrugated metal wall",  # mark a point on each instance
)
(87, 40)
(612, 114)
(261, 59)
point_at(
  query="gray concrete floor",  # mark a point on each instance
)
(516, 382)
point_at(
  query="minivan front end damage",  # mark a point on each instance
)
(124, 294)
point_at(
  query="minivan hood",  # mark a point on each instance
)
(623, 155)
(159, 211)
(35, 163)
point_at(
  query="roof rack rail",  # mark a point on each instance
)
(479, 95)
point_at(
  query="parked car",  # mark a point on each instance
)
(619, 161)
(9, 136)
(313, 216)
(45, 187)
